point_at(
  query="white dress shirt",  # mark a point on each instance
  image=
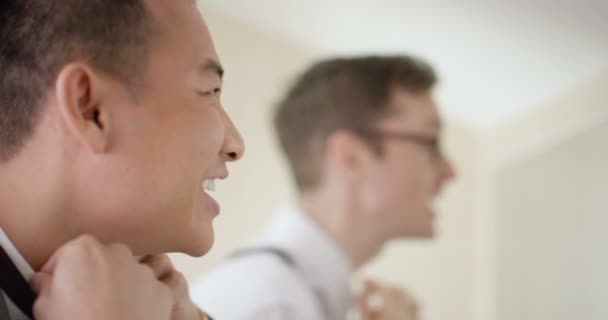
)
(25, 269)
(260, 285)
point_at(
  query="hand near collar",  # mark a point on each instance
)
(184, 308)
(382, 302)
(88, 280)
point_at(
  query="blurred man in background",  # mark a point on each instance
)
(361, 136)
(111, 132)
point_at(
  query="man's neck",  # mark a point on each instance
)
(359, 241)
(27, 207)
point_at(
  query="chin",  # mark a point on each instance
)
(200, 245)
(427, 233)
(198, 252)
(197, 236)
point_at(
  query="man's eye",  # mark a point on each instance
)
(436, 147)
(214, 92)
(435, 143)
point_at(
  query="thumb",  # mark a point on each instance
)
(41, 282)
(49, 266)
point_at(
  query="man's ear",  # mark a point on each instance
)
(347, 154)
(80, 96)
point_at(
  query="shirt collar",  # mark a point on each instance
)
(318, 257)
(25, 269)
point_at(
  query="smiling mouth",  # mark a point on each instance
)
(208, 185)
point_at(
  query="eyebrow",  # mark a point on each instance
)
(212, 66)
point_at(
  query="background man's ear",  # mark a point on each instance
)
(348, 154)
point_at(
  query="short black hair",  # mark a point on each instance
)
(39, 37)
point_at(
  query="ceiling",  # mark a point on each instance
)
(497, 59)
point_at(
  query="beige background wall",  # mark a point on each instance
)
(539, 173)
(453, 277)
(551, 237)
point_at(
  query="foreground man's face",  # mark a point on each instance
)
(176, 139)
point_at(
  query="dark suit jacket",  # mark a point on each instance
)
(15, 286)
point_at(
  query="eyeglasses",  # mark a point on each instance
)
(432, 143)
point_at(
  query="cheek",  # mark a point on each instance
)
(193, 152)
(194, 143)
(168, 166)
(210, 139)
(416, 175)
(380, 191)
(400, 189)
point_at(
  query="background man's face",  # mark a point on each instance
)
(407, 176)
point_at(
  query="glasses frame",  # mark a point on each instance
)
(432, 143)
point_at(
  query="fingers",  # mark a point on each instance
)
(124, 288)
(160, 264)
(379, 301)
(178, 283)
(41, 307)
(121, 249)
(82, 249)
(401, 302)
(366, 308)
(165, 272)
(371, 303)
(41, 282)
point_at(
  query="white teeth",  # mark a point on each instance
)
(208, 185)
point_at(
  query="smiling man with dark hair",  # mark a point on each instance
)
(111, 135)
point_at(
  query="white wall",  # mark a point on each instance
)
(551, 238)
(537, 172)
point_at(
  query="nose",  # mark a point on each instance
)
(233, 147)
(446, 171)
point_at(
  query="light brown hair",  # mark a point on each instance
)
(335, 94)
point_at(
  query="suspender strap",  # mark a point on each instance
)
(284, 256)
(290, 262)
